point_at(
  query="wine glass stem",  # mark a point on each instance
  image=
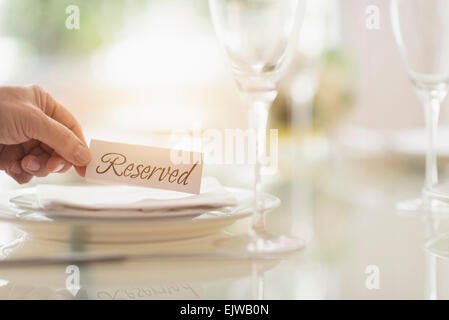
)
(431, 113)
(258, 116)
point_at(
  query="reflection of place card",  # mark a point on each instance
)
(162, 291)
(145, 166)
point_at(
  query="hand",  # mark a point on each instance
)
(38, 135)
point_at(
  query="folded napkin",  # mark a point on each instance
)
(121, 197)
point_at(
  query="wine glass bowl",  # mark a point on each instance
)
(256, 36)
(421, 29)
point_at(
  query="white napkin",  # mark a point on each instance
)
(122, 197)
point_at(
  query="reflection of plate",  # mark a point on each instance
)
(133, 272)
(146, 228)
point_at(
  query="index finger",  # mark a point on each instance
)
(58, 112)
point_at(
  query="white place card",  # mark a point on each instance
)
(144, 166)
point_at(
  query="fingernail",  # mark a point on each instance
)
(33, 165)
(82, 154)
(16, 168)
(59, 168)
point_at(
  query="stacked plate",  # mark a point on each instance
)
(123, 214)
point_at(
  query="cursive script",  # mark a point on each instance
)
(117, 163)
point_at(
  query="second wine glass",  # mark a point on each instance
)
(421, 30)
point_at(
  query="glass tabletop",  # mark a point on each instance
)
(343, 206)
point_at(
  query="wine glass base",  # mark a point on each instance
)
(423, 205)
(262, 244)
(438, 192)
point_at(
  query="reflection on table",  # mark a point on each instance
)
(342, 205)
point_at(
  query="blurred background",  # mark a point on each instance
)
(148, 67)
(351, 134)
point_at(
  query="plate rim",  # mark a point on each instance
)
(16, 219)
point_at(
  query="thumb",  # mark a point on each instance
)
(60, 138)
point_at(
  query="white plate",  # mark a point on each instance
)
(144, 228)
(26, 199)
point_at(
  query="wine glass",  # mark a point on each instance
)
(421, 30)
(258, 37)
